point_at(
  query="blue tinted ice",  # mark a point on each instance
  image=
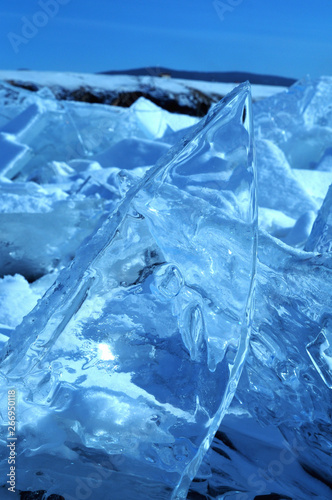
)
(320, 239)
(277, 436)
(276, 439)
(42, 228)
(293, 137)
(298, 121)
(126, 366)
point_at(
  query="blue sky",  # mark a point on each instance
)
(281, 37)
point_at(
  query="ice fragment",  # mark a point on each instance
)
(140, 325)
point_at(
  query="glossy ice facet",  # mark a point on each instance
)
(130, 360)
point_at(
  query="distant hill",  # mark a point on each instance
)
(186, 96)
(223, 77)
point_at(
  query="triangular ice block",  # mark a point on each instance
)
(125, 368)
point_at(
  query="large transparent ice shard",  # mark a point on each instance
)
(125, 368)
